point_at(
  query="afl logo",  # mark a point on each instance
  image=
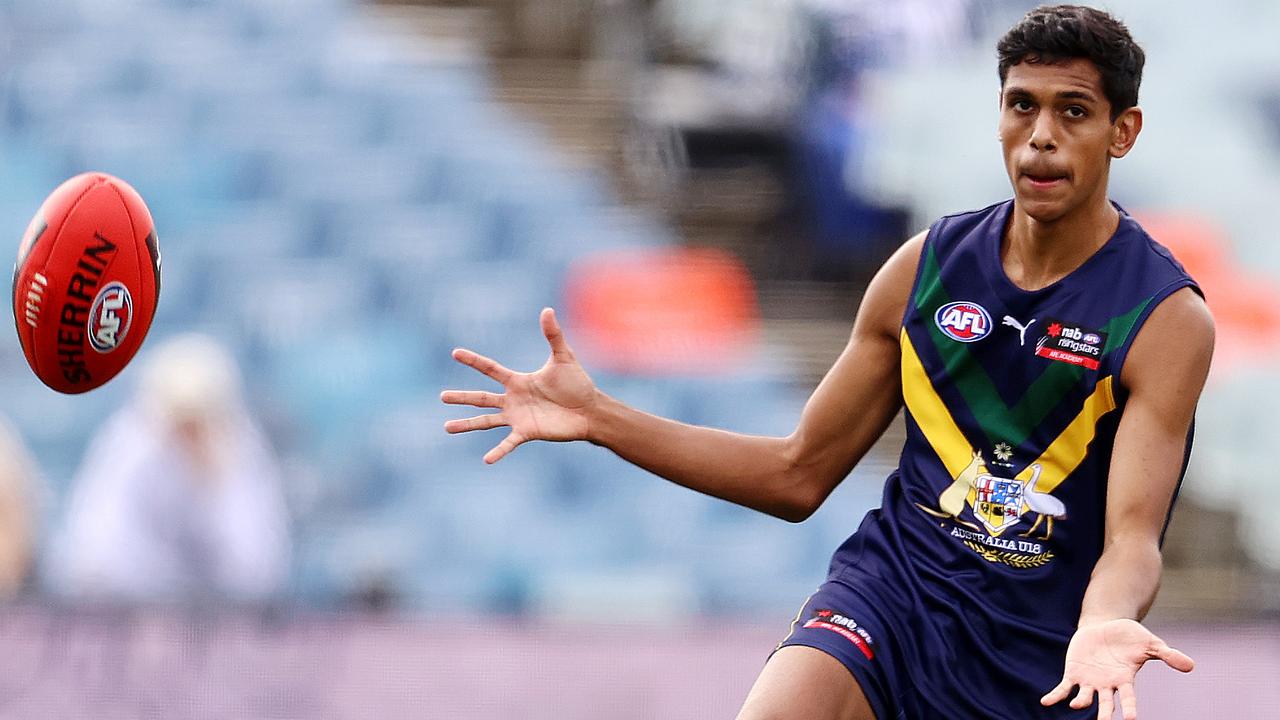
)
(109, 317)
(963, 321)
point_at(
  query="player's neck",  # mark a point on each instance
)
(1037, 254)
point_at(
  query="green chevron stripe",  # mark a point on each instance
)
(999, 421)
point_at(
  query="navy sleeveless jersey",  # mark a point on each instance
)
(992, 524)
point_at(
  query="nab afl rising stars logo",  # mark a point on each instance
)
(109, 317)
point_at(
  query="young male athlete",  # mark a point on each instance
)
(1049, 356)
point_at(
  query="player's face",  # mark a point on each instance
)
(1058, 136)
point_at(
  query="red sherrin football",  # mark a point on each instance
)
(86, 282)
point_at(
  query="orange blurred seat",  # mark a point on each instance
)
(1245, 306)
(662, 311)
(1199, 244)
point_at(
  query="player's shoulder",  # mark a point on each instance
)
(1151, 246)
(968, 219)
(976, 215)
(1153, 270)
(950, 231)
(964, 218)
(1183, 314)
(1174, 347)
(903, 266)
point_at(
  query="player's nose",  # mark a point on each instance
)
(1044, 133)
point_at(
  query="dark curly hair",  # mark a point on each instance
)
(1053, 33)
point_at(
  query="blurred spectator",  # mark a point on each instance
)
(19, 483)
(178, 497)
(901, 31)
(844, 228)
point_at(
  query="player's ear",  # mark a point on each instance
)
(999, 109)
(1124, 132)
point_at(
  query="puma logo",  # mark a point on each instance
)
(1022, 329)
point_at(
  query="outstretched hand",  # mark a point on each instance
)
(1104, 658)
(549, 404)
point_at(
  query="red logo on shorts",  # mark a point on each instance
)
(846, 628)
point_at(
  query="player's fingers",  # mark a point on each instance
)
(474, 398)
(555, 336)
(1058, 694)
(488, 366)
(479, 422)
(1106, 704)
(511, 442)
(1174, 658)
(1084, 698)
(1128, 702)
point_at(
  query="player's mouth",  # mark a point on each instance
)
(1044, 179)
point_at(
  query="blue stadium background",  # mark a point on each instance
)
(343, 219)
(342, 213)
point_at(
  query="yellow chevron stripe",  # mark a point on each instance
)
(1057, 462)
(931, 414)
(1066, 452)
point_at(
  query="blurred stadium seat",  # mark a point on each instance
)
(343, 207)
(668, 311)
(344, 216)
(1245, 303)
(344, 213)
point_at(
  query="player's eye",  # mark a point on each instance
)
(1075, 112)
(1021, 106)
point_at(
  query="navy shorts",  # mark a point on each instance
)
(908, 671)
(841, 623)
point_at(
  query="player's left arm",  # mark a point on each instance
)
(1164, 374)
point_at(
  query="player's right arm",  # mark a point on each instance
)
(788, 477)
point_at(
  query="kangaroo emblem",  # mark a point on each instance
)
(952, 500)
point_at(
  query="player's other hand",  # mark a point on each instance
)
(1103, 658)
(552, 403)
